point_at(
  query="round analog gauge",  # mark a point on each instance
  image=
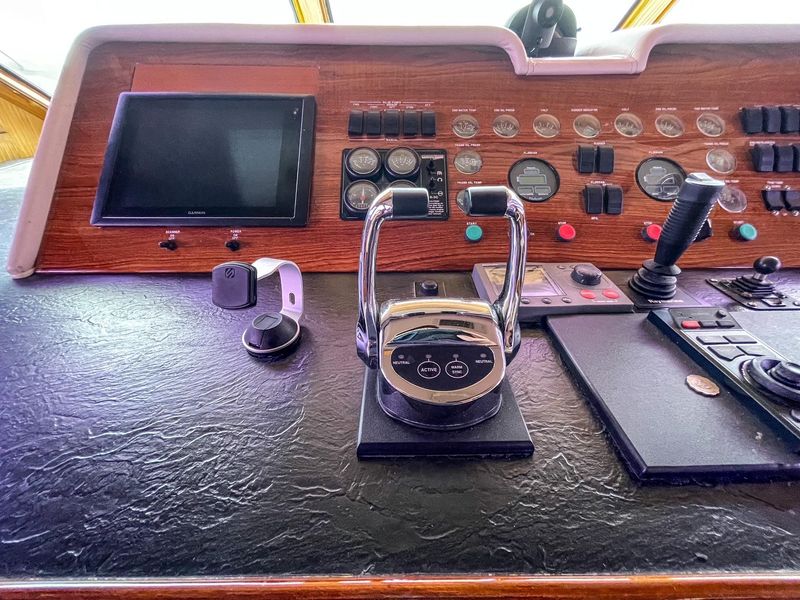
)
(403, 183)
(587, 126)
(468, 162)
(732, 199)
(465, 126)
(660, 178)
(533, 179)
(506, 126)
(669, 125)
(360, 194)
(546, 126)
(363, 162)
(402, 163)
(628, 124)
(721, 160)
(711, 125)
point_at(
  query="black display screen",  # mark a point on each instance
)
(207, 159)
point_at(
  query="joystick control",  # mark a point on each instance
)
(757, 285)
(586, 274)
(657, 278)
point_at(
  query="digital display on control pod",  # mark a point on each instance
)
(536, 282)
(207, 159)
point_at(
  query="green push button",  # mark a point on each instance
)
(473, 233)
(746, 232)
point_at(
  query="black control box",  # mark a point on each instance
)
(368, 171)
(555, 289)
(767, 381)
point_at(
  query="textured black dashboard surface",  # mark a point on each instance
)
(138, 439)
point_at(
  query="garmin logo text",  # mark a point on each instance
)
(196, 212)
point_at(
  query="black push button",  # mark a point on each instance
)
(727, 352)
(372, 123)
(410, 123)
(428, 123)
(711, 339)
(772, 119)
(391, 123)
(791, 198)
(613, 200)
(593, 199)
(726, 324)
(739, 338)
(790, 119)
(773, 199)
(355, 124)
(763, 157)
(708, 324)
(605, 159)
(784, 158)
(754, 350)
(752, 119)
(585, 159)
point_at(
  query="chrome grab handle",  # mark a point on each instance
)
(412, 204)
(489, 201)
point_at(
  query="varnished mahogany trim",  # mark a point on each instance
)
(639, 587)
(217, 78)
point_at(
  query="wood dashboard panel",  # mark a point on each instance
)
(686, 80)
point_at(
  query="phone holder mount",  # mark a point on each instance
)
(438, 363)
(234, 287)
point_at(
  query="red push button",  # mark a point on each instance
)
(566, 232)
(651, 233)
(690, 324)
(611, 294)
(589, 295)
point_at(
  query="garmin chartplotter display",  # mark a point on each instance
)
(207, 159)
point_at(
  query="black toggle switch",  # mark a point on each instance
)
(233, 245)
(391, 123)
(355, 124)
(772, 119)
(372, 123)
(763, 157)
(428, 123)
(410, 123)
(784, 158)
(593, 199)
(168, 244)
(773, 199)
(752, 119)
(585, 159)
(790, 119)
(613, 200)
(605, 159)
(791, 198)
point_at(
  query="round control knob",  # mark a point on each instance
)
(586, 274)
(651, 233)
(429, 288)
(787, 373)
(233, 245)
(565, 232)
(767, 265)
(745, 232)
(168, 244)
(473, 233)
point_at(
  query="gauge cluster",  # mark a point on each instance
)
(367, 171)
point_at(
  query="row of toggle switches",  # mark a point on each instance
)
(777, 199)
(602, 198)
(391, 123)
(770, 119)
(594, 159)
(781, 158)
